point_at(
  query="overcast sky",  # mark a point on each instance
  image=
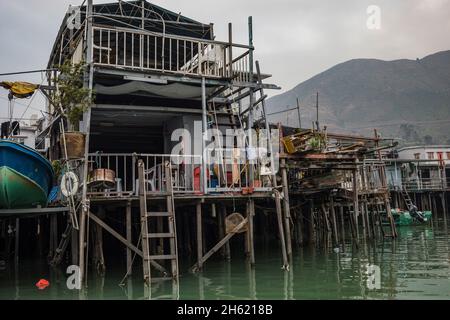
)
(294, 39)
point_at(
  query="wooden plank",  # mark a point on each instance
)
(158, 214)
(123, 240)
(160, 235)
(218, 246)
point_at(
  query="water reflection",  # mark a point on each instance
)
(416, 265)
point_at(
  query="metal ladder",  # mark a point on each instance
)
(147, 235)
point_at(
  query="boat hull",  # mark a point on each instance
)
(18, 191)
(25, 177)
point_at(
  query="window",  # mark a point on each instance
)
(417, 156)
(430, 155)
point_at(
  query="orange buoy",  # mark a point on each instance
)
(42, 284)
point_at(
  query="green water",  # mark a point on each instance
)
(415, 266)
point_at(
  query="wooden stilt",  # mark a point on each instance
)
(187, 230)
(53, 236)
(199, 235)
(247, 233)
(333, 222)
(444, 204)
(281, 229)
(363, 219)
(353, 225)
(98, 258)
(17, 242)
(371, 219)
(430, 205)
(341, 214)
(251, 231)
(227, 250)
(74, 246)
(299, 221)
(390, 217)
(129, 238)
(82, 239)
(355, 203)
(311, 231)
(221, 228)
(286, 208)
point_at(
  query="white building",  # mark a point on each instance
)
(437, 152)
(420, 168)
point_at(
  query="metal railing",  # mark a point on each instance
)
(421, 184)
(147, 51)
(229, 171)
(370, 177)
(229, 175)
(125, 173)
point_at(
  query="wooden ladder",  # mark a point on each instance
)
(147, 235)
(407, 198)
(62, 246)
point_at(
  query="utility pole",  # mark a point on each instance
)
(317, 111)
(299, 118)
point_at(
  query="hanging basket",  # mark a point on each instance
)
(232, 221)
(75, 142)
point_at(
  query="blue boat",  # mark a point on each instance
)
(25, 176)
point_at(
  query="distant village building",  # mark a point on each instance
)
(420, 168)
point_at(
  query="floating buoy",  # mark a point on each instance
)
(69, 184)
(42, 284)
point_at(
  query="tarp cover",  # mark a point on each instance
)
(173, 90)
(20, 89)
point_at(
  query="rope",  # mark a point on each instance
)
(121, 283)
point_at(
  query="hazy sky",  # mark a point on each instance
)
(294, 39)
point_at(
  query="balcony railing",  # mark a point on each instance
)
(422, 184)
(124, 181)
(229, 171)
(145, 51)
(187, 176)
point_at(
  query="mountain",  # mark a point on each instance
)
(405, 99)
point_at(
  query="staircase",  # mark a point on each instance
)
(147, 233)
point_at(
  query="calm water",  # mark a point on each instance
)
(415, 266)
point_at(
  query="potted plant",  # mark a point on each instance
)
(72, 99)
